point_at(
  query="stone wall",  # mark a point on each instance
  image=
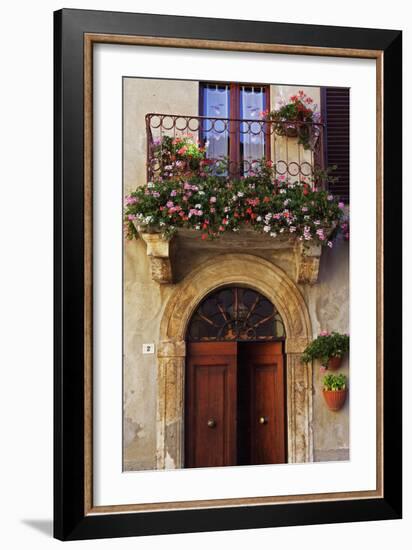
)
(145, 300)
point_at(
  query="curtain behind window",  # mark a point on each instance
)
(216, 102)
(252, 103)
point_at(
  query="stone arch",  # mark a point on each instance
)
(276, 285)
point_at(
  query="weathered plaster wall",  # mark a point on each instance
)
(328, 304)
(142, 96)
(145, 300)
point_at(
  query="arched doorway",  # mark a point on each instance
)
(234, 381)
(244, 270)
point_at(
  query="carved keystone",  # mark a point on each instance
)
(158, 250)
(307, 263)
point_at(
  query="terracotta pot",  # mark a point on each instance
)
(334, 363)
(290, 130)
(335, 399)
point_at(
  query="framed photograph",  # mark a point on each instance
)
(227, 274)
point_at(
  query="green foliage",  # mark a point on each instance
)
(213, 205)
(334, 382)
(325, 346)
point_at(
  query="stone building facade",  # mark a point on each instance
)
(311, 294)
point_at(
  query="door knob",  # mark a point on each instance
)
(211, 423)
(263, 420)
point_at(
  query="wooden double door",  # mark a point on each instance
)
(234, 404)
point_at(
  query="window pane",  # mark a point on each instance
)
(235, 313)
(216, 102)
(252, 137)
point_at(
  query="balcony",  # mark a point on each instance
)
(183, 147)
(235, 147)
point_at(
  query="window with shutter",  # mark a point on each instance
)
(335, 113)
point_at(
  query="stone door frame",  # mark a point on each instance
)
(274, 284)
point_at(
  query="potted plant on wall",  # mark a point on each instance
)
(328, 348)
(334, 391)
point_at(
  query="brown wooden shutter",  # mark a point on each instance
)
(335, 113)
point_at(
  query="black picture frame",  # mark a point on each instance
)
(70, 520)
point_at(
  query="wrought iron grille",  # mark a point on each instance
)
(235, 314)
(281, 144)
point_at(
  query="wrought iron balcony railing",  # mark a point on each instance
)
(234, 147)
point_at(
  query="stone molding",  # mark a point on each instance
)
(272, 282)
(168, 348)
(307, 256)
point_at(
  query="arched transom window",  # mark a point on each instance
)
(235, 313)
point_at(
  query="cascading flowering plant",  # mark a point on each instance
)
(172, 154)
(213, 205)
(299, 111)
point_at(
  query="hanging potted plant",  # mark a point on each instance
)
(334, 391)
(328, 348)
(295, 119)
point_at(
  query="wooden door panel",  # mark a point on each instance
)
(263, 399)
(211, 405)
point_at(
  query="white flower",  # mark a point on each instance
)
(281, 230)
(273, 234)
(198, 206)
(240, 194)
(150, 184)
(286, 202)
(226, 209)
(259, 219)
(201, 192)
(266, 228)
(235, 229)
(282, 191)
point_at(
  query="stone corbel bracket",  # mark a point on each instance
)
(307, 263)
(158, 251)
